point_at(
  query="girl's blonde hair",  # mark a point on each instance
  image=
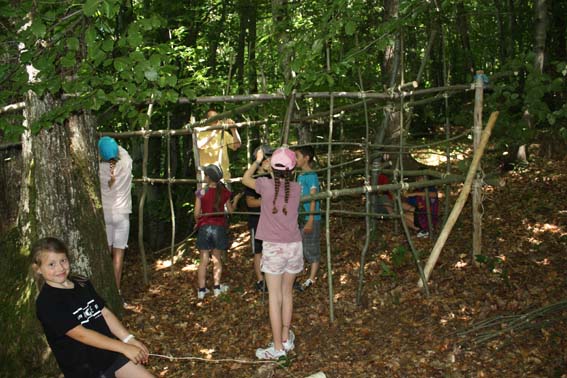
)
(41, 246)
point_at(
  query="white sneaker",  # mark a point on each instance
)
(222, 289)
(307, 284)
(201, 294)
(289, 344)
(269, 353)
(423, 234)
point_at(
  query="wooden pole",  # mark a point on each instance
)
(327, 222)
(460, 203)
(143, 199)
(477, 183)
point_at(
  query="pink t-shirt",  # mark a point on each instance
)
(278, 228)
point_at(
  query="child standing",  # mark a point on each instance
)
(282, 251)
(115, 173)
(212, 235)
(311, 229)
(253, 203)
(86, 338)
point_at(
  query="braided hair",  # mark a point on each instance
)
(280, 175)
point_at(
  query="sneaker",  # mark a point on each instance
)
(423, 234)
(201, 293)
(269, 353)
(289, 344)
(261, 286)
(297, 286)
(307, 284)
(218, 290)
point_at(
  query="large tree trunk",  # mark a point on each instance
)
(59, 197)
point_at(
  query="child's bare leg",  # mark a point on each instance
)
(117, 262)
(314, 270)
(287, 303)
(131, 370)
(202, 271)
(274, 282)
(257, 265)
(217, 266)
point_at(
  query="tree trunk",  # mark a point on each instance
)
(252, 73)
(540, 34)
(241, 47)
(10, 180)
(60, 197)
(281, 26)
(463, 29)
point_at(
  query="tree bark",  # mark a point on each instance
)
(540, 34)
(463, 29)
(281, 25)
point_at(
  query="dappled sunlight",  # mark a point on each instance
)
(190, 267)
(436, 157)
(540, 228)
(208, 353)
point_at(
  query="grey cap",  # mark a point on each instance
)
(214, 172)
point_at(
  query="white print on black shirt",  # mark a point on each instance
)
(90, 311)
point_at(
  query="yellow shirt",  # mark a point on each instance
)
(212, 146)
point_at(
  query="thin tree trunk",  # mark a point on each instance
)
(281, 35)
(463, 29)
(540, 34)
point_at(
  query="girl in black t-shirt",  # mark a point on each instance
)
(87, 339)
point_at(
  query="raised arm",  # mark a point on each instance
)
(236, 141)
(247, 179)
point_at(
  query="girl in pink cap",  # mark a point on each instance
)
(282, 252)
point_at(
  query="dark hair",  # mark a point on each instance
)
(307, 151)
(218, 196)
(278, 176)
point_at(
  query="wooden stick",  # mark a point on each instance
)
(440, 243)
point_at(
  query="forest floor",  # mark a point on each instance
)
(396, 331)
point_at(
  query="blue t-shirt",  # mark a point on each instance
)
(309, 180)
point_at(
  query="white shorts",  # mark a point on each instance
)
(280, 258)
(117, 230)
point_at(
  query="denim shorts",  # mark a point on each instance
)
(211, 237)
(312, 243)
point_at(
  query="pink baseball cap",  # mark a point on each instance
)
(283, 159)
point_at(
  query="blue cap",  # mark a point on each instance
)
(107, 148)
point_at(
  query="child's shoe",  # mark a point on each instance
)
(201, 293)
(423, 234)
(261, 286)
(307, 284)
(289, 344)
(297, 286)
(219, 289)
(269, 353)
